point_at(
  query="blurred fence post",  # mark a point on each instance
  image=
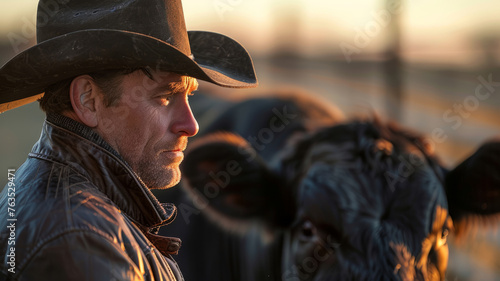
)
(392, 65)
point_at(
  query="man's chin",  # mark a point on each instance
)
(167, 186)
(164, 181)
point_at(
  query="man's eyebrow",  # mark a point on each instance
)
(189, 84)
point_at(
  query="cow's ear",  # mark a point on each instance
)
(229, 182)
(473, 189)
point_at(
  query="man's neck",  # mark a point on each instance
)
(72, 115)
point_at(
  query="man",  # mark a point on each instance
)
(116, 76)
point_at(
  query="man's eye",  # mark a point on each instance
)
(164, 100)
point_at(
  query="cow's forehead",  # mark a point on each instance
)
(343, 196)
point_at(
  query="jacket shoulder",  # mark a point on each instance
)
(80, 255)
(61, 213)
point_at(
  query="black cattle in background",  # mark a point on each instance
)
(209, 252)
(305, 200)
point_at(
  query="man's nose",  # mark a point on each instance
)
(185, 123)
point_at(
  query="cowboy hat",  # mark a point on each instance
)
(75, 37)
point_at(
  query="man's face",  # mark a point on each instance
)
(150, 124)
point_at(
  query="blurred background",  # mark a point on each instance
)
(429, 65)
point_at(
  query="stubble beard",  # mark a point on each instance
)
(154, 170)
(155, 175)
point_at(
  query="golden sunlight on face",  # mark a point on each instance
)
(150, 124)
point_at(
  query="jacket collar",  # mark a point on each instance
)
(71, 143)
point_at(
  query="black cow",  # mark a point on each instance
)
(298, 200)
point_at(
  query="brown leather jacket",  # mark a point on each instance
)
(82, 214)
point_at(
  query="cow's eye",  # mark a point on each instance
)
(307, 231)
(443, 239)
(444, 234)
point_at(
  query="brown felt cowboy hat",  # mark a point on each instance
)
(82, 36)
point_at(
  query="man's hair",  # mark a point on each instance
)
(56, 98)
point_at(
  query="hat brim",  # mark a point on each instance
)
(217, 59)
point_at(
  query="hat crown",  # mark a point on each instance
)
(162, 19)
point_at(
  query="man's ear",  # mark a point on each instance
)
(85, 99)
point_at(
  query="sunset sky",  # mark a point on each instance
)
(434, 31)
